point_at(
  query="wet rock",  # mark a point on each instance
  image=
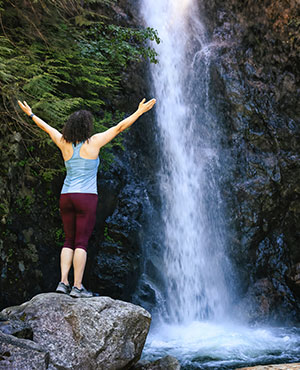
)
(115, 263)
(295, 276)
(255, 78)
(91, 333)
(259, 301)
(165, 363)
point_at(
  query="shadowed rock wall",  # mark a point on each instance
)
(255, 84)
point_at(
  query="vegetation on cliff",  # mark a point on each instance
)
(59, 56)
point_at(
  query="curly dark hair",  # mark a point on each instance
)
(79, 127)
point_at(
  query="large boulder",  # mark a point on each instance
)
(67, 333)
(164, 363)
(16, 353)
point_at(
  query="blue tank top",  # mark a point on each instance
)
(81, 173)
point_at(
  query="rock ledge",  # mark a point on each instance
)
(67, 333)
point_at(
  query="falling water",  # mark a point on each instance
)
(194, 262)
(193, 278)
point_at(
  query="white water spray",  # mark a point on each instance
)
(194, 260)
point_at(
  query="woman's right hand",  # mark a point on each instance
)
(144, 107)
(25, 107)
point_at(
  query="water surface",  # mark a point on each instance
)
(205, 345)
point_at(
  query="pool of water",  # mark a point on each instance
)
(206, 345)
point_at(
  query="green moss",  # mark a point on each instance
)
(108, 238)
(23, 317)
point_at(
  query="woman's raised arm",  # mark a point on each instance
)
(51, 131)
(105, 137)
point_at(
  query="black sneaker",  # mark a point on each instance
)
(80, 293)
(63, 288)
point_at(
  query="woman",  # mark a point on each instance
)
(78, 199)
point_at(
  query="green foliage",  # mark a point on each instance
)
(48, 174)
(101, 125)
(61, 56)
(106, 235)
(119, 44)
(59, 237)
(108, 238)
(24, 204)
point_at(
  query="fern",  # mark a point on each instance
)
(61, 56)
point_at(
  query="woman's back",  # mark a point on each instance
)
(81, 172)
(89, 149)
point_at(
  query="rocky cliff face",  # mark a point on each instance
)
(255, 78)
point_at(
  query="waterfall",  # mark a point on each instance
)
(187, 276)
(194, 262)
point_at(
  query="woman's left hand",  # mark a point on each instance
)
(144, 107)
(25, 107)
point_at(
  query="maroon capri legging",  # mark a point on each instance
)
(78, 213)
